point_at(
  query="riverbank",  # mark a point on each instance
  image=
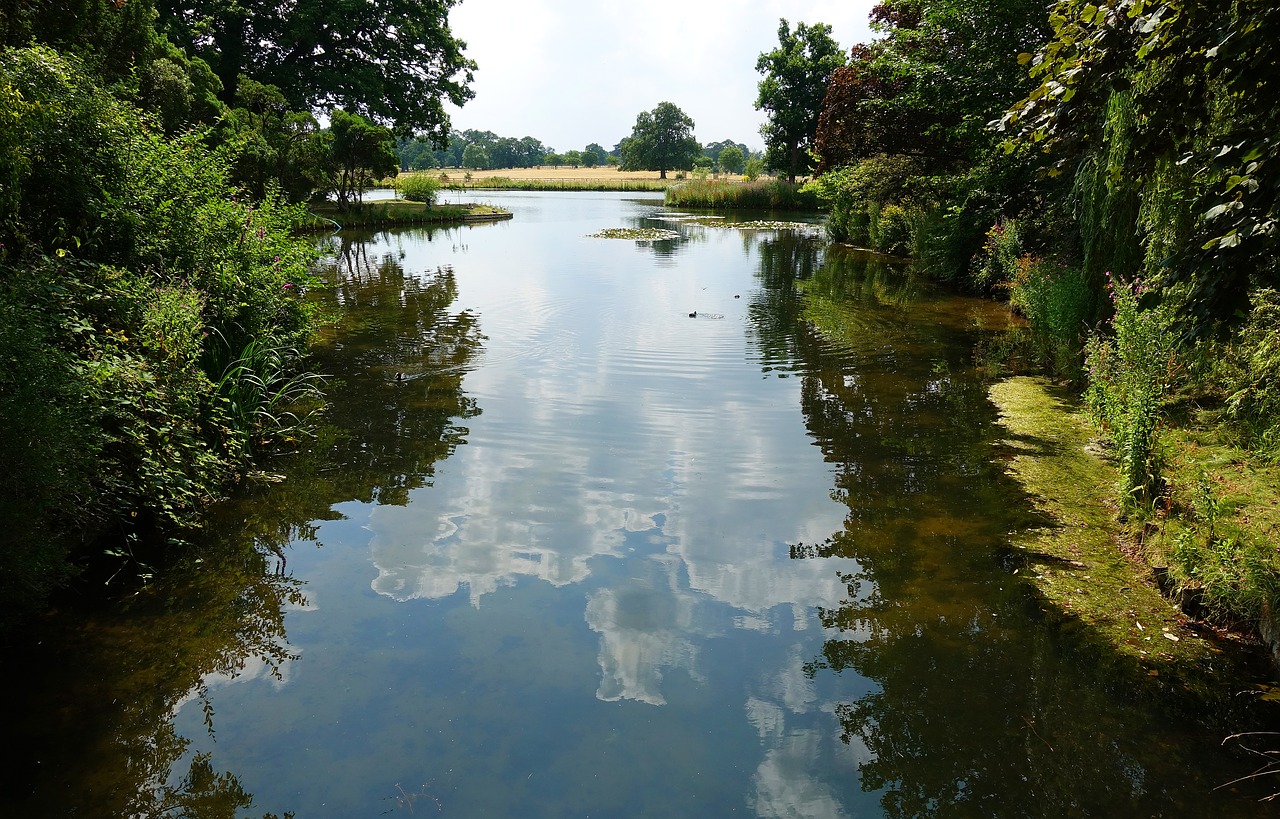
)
(395, 213)
(1087, 567)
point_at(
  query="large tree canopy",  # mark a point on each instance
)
(661, 140)
(797, 74)
(1201, 79)
(393, 61)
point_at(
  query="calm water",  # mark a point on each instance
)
(596, 557)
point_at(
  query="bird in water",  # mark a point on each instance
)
(399, 378)
(694, 314)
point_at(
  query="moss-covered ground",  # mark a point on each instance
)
(1086, 565)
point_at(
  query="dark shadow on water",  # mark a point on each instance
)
(985, 704)
(92, 693)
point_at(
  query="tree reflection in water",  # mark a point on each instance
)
(98, 736)
(981, 708)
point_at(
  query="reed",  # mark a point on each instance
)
(508, 183)
(761, 194)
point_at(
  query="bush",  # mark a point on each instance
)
(1128, 373)
(1237, 578)
(418, 187)
(1058, 303)
(1251, 374)
(892, 231)
(126, 267)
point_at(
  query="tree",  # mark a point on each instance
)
(602, 156)
(391, 61)
(475, 157)
(589, 159)
(361, 152)
(553, 159)
(797, 74)
(662, 139)
(731, 159)
(573, 158)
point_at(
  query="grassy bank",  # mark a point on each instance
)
(761, 194)
(396, 212)
(1087, 566)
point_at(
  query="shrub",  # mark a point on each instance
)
(892, 232)
(1238, 579)
(125, 258)
(996, 264)
(1251, 374)
(1128, 373)
(1058, 303)
(418, 187)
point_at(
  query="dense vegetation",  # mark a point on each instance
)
(152, 319)
(1109, 168)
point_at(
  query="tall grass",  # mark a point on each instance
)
(262, 401)
(507, 183)
(762, 194)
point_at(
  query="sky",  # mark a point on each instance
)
(573, 72)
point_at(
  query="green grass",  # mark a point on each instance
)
(393, 212)
(507, 183)
(762, 194)
(1099, 592)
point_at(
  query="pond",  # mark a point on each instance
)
(708, 522)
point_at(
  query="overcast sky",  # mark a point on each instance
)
(572, 72)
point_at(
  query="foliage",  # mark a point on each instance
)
(796, 76)
(753, 169)
(361, 152)
(109, 39)
(892, 231)
(1232, 574)
(273, 146)
(661, 140)
(1250, 374)
(731, 159)
(1202, 78)
(849, 191)
(1129, 372)
(394, 62)
(771, 194)
(124, 259)
(1058, 301)
(475, 158)
(416, 154)
(418, 187)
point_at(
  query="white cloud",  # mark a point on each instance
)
(571, 72)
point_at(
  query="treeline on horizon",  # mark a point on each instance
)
(485, 150)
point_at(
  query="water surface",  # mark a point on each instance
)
(564, 549)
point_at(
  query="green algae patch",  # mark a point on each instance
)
(1080, 563)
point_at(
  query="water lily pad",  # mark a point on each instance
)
(650, 234)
